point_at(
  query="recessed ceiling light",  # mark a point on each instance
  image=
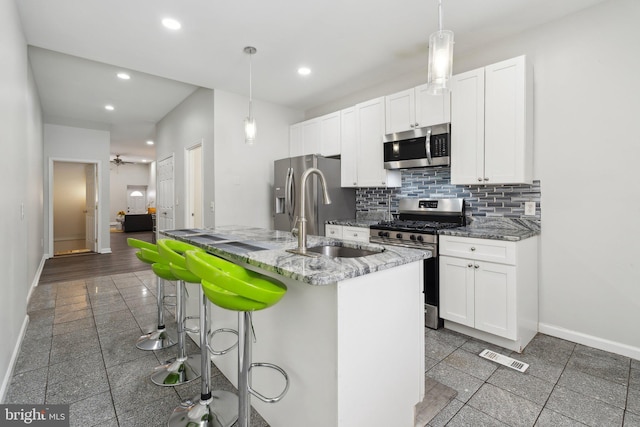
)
(109, 107)
(304, 71)
(149, 142)
(171, 24)
(123, 76)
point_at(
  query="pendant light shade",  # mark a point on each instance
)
(250, 129)
(440, 58)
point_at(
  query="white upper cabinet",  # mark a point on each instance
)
(316, 136)
(491, 124)
(415, 108)
(330, 134)
(432, 109)
(349, 148)
(370, 169)
(295, 140)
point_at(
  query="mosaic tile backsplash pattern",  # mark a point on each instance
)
(481, 200)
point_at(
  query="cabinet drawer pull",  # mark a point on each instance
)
(473, 248)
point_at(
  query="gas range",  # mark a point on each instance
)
(418, 223)
(417, 226)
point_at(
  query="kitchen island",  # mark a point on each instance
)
(349, 332)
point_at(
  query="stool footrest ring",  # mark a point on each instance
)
(225, 351)
(286, 386)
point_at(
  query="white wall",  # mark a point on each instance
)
(244, 173)
(587, 149)
(119, 178)
(190, 123)
(21, 187)
(238, 178)
(65, 143)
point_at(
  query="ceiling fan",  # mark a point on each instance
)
(118, 161)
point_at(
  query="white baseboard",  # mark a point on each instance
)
(590, 340)
(36, 278)
(8, 375)
(105, 251)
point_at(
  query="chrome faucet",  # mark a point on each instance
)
(302, 221)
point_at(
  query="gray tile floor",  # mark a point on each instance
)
(566, 384)
(79, 350)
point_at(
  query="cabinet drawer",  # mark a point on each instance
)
(331, 230)
(479, 249)
(355, 233)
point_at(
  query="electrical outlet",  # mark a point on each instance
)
(530, 208)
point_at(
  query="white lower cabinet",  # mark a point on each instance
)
(358, 234)
(332, 230)
(495, 301)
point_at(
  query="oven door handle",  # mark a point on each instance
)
(427, 145)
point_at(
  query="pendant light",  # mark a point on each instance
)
(440, 58)
(250, 121)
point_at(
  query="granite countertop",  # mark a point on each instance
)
(496, 228)
(266, 249)
(354, 222)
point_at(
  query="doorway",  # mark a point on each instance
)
(136, 199)
(74, 204)
(194, 207)
(165, 194)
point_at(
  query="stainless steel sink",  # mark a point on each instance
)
(342, 251)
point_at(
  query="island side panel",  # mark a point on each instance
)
(299, 335)
(381, 347)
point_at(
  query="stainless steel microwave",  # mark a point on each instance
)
(418, 148)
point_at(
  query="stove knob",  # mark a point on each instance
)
(380, 233)
(419, 238)
(412, 237)
(386, 234)
(399, 236)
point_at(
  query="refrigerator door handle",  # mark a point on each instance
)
(289, 194)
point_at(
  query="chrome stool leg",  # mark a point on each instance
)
(212, 408)
(160, 338)
(245, 332)
(181, 369)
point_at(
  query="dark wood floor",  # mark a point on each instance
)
(77, 267)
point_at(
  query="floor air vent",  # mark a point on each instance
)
(504, 360)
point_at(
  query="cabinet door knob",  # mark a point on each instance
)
(410, 125)
(486, 179)
(383, 183)
(479, 179)
(476, 266)
(355, 234)
(417, 125)
(355, 183)
(469, 265)
(473, 248)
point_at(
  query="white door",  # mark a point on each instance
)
(165, 188)
(91, 207)
(136, 199)
(194, 187)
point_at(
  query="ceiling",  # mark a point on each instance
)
(350, 45)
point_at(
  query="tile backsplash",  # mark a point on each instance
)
(480, 200)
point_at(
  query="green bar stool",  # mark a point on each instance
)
(160, 338)
(181, 369)
(235, 288)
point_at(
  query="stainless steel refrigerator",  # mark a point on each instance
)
(287, 174)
